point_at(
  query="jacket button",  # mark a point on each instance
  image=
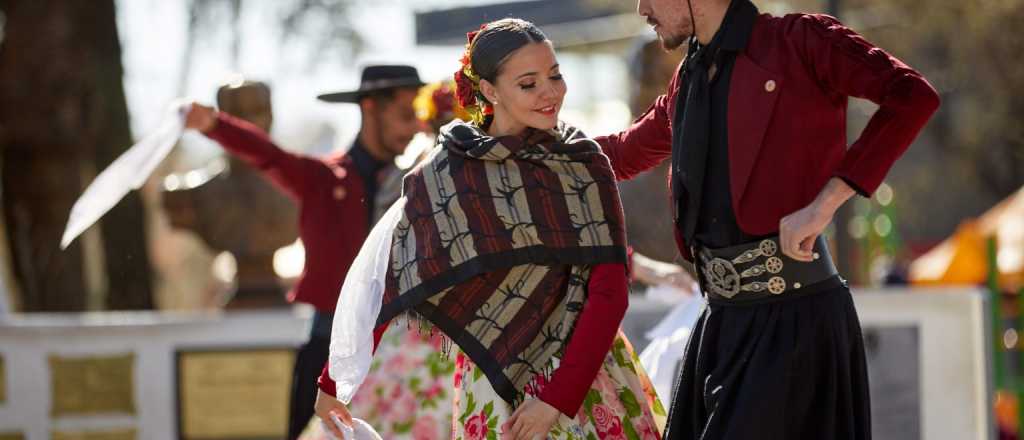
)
(339, 193)
(769, 86)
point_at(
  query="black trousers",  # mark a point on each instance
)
(309, 362)
(788, 369)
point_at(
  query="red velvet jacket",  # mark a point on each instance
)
(332, 210)
(787, 118)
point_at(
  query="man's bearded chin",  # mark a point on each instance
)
(672, 42)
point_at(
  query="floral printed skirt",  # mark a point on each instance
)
(407, 393)
(621, 404)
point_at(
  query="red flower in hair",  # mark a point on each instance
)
(471, 35)
(464, 89)
(466, 81)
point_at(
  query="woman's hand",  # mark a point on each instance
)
(532, 420)
(201, 117)
(326, 406)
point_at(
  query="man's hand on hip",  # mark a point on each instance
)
(799, 230)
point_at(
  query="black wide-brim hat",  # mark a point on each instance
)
(376, 79)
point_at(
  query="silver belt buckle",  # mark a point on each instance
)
(722, 277)
(724, 280)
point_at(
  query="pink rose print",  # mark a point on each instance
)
(608, 425)
(413, 337)
(366, 396)
(384, 407)
(406, 407)
(396, 392)
(435, 390)
(426, 428)
(436, 341)
(649, 433)
(609, 392)
(534, 387)
(602, 416)
(460, 369)
(476, 427)
(399, 364)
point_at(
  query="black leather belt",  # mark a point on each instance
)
(760, 270)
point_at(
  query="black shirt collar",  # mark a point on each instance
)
(365, 163)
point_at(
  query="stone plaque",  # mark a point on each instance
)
(92, 384)
(894, 375)
(115, 434)
(238, 394)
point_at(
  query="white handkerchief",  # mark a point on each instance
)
(358, 306)
(127, 173)
(360, 430)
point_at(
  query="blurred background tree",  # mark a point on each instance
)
(63, 118)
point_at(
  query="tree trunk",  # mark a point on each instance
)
(63, 117)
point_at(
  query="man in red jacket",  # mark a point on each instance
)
(755, 125)
(340, 197)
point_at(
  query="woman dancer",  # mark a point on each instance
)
(510, 240)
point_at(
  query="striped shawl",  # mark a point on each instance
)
(496, 243)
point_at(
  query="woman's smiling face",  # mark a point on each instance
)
(528, 91)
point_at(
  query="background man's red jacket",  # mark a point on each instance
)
(332, 211)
